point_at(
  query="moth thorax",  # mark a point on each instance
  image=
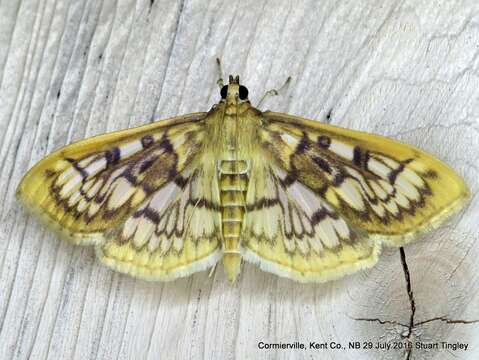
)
(233, 186)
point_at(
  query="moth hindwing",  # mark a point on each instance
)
(301, 199)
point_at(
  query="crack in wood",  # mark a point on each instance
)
(412, 303)
(448, 321)
(383, 322)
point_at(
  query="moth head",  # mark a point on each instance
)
(234, 91)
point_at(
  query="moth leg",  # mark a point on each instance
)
(274, 92)
(212, 271)
(220, 73)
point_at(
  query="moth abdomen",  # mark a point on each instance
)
(233, 186)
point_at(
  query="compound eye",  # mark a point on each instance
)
(224, 91)
(243, 92)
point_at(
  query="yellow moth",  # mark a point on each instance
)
(301, 199)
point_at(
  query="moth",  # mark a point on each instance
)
(301, 199)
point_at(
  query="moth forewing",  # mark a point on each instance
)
(63, 187)
(392, 190)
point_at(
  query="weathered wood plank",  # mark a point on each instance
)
(72, 69)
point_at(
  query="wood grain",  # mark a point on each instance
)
(72, 69)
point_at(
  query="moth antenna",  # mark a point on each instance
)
(220, 81)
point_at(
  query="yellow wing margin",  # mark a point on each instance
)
(327, 266)
(197, 255)
(85, 188)
(424, 190)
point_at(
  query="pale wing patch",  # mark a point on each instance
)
(346, 151)
(294, 233)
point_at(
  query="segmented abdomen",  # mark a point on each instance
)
(233, 187)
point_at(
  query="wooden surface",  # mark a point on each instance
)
(72, 69)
